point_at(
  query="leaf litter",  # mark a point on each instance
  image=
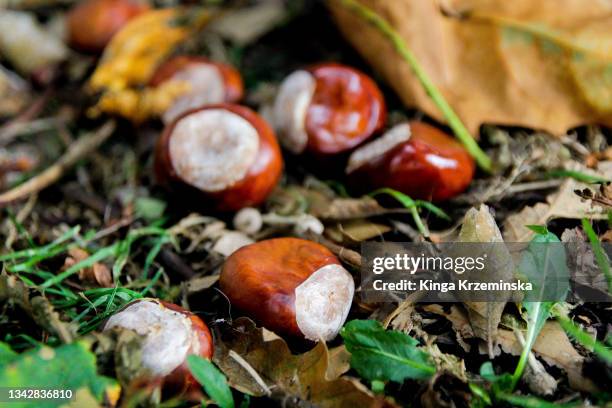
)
(135, 242)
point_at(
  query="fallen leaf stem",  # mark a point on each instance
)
(461, 132)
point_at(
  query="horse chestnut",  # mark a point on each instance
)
(225, 154)
(291, 286)
(92, 23)
(170, 333)
(327, 109)
(210, 83)
(416, 159)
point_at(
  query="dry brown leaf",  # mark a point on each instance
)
(340, 209)
(362, 230)
(259, 367)
(479, 226)
(39, 308)
(581, 260)
(552, 345)
(562, 204)
(535, 64)
(98, 273)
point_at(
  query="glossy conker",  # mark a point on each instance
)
(291, 286)
(327, 109)
(416, 159)
(224, 157)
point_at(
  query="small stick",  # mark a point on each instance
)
(80, 149)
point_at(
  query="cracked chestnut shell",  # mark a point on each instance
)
(291, 286)
(416, 159)
(92, 23)
(169, 334)
(226, 156)
(210, 83)
(327, 109)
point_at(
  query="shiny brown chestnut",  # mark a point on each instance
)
(327, 109)
(291, 286)
(209, 83)
(225, 154)
(416, 159)
(92, 23)
(170, 334)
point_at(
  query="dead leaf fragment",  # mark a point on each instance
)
(38, 307)
(98, 273)
(552, 345)
(581, 260)
(534, 64)
(562, 204)
(268, 366)
(479, 226)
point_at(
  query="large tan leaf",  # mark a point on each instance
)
(543, 64)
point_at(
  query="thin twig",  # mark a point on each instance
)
(9, 130)
(80, 149)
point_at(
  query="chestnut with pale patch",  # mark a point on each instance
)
(224, 156)
(291, 286)
(213, 149)
(416, 159)
(208, 83)
(290, 108)
(169, 334)
(327, 109)
(379, 147)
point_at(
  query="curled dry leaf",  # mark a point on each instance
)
(356, 231)
(339, 209)
(257, 366)
(479, 226)
(581, 259)
(38, 307)
(131, 58)
(98, 273)
(562, 204)
(534, 64)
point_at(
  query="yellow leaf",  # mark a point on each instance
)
(131, 58)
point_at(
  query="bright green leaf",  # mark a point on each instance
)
(379, 354)
(68, 367)
(544, 265)
(213, 380)
(6, 354)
